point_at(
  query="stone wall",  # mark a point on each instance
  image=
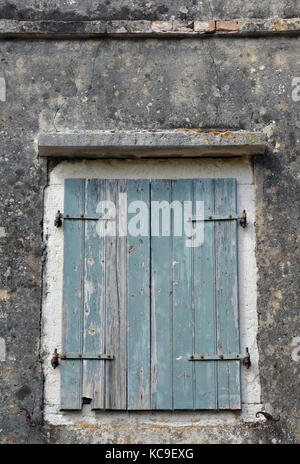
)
(230, 83)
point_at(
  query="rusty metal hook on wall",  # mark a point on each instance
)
(58, 219)
(28, 418)
(267, 416)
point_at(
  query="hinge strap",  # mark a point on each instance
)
(217, 217)
(78, 356)
(216, 357)
(74, 356)
(245, 358)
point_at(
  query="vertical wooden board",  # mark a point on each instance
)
(204, 301)
(94, 298)
(227, 295)
(73, 271)
(115, 309)
(138, 307)
(183, 369)
(161, 301)
(121, 364)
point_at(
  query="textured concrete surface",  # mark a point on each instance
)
(152, 9)
(143, 143)
(232, 84)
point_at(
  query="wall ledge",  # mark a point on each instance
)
(143, 28)
(145, 143)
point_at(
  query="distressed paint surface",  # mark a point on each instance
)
(177, 300)
(94, 292)
(161, 303)
(226, 295)
(115, 292)
(204, 295)
(71, 371)
(183, 370)
(138, 307)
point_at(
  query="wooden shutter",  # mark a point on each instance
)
(150, 301)
(94, 300)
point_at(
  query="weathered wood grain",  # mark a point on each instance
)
(150, 302)
(183, 369)
(138, 307)
(115, 308)
(204, 301)
(72, 317)
(227, 295)
(161, 299)
(94, 298)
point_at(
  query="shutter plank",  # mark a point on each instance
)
(183, 369)
(138, 307)
(121, 364)
(204, 300)
(161, 305)
(72, 320)
(115, 309)
(94, 307)
(227, 295)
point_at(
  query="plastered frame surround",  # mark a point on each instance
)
(241, 169)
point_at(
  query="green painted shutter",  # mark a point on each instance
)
(94, 299)
(150, 300)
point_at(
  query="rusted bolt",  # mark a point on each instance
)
(54, 360)
(243, 220)
(58, 219)
(28, 418)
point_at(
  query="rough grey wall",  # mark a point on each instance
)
(231, 83)
(140, 9)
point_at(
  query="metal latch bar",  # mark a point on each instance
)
(215, 357)
(87, 217)
(78, 356)
(217, 217)
(245, 358)
(60, 216)
(73, 356)
(229, 217)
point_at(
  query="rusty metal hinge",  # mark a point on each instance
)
(229, 217)
(78, 356)
(223, 357)
(268, 416)
(243, 219)
(61, 216)
(58, 219)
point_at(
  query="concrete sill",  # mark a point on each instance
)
(150, 144)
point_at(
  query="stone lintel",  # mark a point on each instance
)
(145, 143)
